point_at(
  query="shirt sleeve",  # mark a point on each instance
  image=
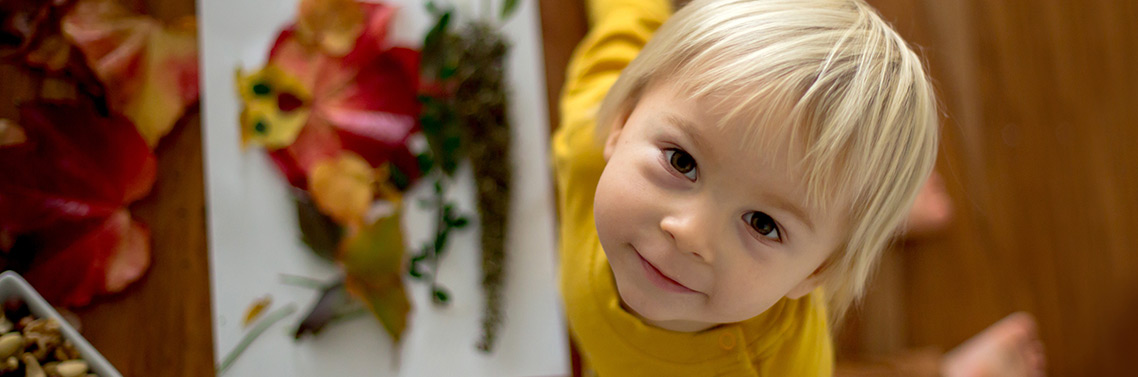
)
(619, 30)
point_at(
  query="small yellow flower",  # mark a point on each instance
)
(276, 107)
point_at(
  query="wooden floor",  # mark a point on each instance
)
(1040, 153)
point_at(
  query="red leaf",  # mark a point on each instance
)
(76, 164)
(374, 37)
(64, 192)
(317, 141)
(368, 99)
(129, 260)
(76, 261)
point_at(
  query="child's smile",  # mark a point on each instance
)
(661, 279)
(701, 228)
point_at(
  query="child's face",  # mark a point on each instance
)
(699, 229)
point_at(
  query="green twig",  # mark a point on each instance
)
(302, 281)
(252, 335)
(350, 314)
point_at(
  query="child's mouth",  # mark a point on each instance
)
(659, 279)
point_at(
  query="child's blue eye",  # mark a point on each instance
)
(763, 224)
(681, 161)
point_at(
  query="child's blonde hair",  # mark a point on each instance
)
(829, 74)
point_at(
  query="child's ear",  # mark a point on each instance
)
(614, 134)
(806, 286)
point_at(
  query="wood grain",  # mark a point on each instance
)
(563, 24)
(1039, 153)
(161, 325)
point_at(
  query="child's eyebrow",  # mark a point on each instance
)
(781, 203)
(688, 128)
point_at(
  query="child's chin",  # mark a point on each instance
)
(644, 305)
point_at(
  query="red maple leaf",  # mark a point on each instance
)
(64, 194)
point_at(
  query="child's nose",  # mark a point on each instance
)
(688, 234)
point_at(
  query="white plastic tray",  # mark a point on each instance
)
(12, 285)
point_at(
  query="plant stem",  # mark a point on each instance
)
(252, 335)
(442, 229)
(302, 281)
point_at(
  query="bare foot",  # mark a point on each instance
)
(1008, 348)
(932, 209)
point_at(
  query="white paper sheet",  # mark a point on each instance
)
(254, 236)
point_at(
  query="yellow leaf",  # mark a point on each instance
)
(168, 83)
(150, 70)
(343, 187)
(372, 258)
(256, 308)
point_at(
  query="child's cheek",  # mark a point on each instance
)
(611, 201)
(625, 195)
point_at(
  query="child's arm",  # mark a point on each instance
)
(600, 9)
(618, 30)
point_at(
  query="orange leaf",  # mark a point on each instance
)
(343, 187)
(331, 25)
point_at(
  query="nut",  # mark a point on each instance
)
(32, 366)
(10, 365)
(73, 368)
(24, 322)
(66, 351)
(36, 347)
(44, 333)
(10, 343)
(61, 354)
(50, 368)
(5, 324)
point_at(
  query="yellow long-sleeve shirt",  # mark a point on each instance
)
(789, 339)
